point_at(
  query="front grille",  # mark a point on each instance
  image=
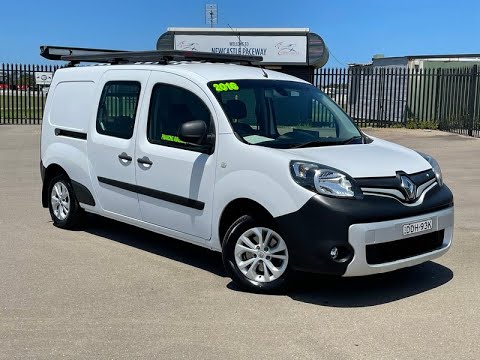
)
(393, 182)
(392, 186)
(404, 248)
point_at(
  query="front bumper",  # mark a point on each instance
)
(348, 224)
(361, 236)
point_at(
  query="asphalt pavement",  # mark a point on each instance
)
(112, 291)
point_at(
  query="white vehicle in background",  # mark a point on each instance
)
(253, 163)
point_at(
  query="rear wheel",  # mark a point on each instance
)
(256, 256)
(63, 205)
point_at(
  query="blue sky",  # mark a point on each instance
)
(353, 30)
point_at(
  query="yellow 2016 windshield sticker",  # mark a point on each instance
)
(226, 86)
(166, 137)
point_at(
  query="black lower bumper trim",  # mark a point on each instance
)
(404, 248)
(323, 223)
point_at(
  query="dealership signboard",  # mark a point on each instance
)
(294, 51)
(274, 49)
(43, 78)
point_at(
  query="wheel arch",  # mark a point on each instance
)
(50, 172)
(237, 208)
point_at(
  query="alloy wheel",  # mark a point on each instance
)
(261, 254)
(60, 199)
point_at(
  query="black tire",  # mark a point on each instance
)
(237, 229)
(75, 212)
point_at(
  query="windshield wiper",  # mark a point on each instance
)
(352, 139)
(314, 143)
(327, 143)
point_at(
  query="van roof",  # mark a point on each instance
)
(203, 72)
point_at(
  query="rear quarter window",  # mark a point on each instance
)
(72, 105)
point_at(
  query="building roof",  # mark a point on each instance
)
(256, 31)
(435, 56)
(359, 64)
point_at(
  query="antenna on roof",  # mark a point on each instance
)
(211, 14)
(240, 43)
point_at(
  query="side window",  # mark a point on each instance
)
(170, 107)
(118, 108)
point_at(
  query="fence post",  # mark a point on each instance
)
(4, 97)
(471, 99)
(437, 99)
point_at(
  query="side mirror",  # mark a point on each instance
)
(193, 132)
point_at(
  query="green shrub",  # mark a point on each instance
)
(422, 124)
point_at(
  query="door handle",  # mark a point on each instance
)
(124, 157)
(145, 161)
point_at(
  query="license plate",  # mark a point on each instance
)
(416, 227)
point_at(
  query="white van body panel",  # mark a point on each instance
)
(387, 157)
(257, 173)
(71, 155)
(76, 116)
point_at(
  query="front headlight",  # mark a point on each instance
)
(435, 167)
(324, 180)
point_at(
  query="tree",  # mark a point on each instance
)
(26, 79)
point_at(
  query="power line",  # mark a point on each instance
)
(331, 53)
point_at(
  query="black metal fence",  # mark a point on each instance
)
(377, 96)
(21, 100)
(373, 96)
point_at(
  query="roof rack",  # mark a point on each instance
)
(58, 52)
(77, 55)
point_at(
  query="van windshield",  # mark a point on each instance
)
(284, 114)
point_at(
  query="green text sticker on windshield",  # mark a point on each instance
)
(226, 86)
(166, 137)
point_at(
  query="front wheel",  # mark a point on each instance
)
(256, 256)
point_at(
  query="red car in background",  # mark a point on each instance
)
(4, 86)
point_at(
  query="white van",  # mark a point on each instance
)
(253, 163)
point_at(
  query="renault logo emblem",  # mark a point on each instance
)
(409, 187)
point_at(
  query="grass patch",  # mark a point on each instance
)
(24, 106)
